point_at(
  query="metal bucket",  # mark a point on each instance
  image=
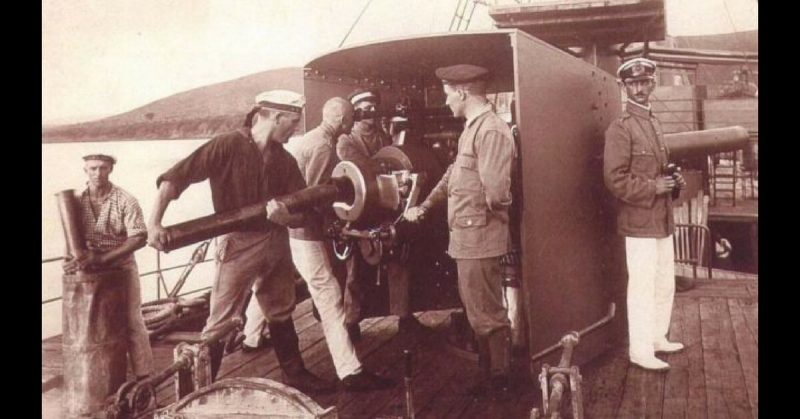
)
(94, 340)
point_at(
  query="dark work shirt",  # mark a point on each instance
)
(239, 174)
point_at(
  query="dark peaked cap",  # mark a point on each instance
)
(461, 73)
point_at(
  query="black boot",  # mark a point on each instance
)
(354, 331)
(482, 386)
(366, 381)
(287, 350)
(215, 352)
(500, 352)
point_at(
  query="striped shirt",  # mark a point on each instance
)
(119, 218)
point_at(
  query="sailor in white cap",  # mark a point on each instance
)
(244, 167)
(114, 230)
(634, 158)
(366, 139)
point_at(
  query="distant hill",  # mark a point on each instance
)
(716, 77)
(209, 110)
(197, 113)
(735, 41)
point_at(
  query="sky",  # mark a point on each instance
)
(104, 57)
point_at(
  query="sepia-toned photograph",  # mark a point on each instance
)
(399, 209)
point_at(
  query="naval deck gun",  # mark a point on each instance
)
(569, 250)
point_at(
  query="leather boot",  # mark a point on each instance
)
(215, 352)
(287, 350)
(500, 353)
(481, 387)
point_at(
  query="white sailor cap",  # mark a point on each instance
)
(360, 95)
(636, 69)
(282, 100)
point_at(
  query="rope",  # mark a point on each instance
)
(354, 23)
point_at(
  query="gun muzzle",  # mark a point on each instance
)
(707, 142)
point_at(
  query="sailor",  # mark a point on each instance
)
(316, 157)
(365, 140)
(114, 227)
(244, 167)
(476, 189)
(634, 158)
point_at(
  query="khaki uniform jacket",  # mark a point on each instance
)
(477, 187)
(633, 158)
(316, 158)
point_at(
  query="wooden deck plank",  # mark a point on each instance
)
(387, 361)
(603, 379)
(424, 379)
(634, 400)
(710, 325)
(735, 391)
(644, 393)
(452, 398)
(676, 385)
(436, 367)
(747, 348)
(716, 376)
(375, 332)
(654, 393)
(749, 309)
(692, 338)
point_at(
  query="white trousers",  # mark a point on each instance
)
(311, 260)
(651, 290)
(254, 326)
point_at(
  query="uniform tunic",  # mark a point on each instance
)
(477, 189)
(634, 157)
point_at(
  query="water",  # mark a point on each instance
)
(139, 164)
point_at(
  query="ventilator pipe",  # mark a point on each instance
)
(69, 211)
(706, 142)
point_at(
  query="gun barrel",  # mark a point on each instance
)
(702, 143)
(204, 228)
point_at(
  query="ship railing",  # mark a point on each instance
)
(158, 273)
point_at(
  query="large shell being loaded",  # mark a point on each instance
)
(246, 398)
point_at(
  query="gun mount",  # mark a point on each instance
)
(568, 248)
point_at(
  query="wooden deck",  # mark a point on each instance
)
(715, 377)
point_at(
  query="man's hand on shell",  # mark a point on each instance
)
(91, 259)
(414, 214)
(278, 213)
(157, 237)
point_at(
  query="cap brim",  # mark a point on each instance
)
(639, 78)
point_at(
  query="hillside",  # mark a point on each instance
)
(196, 113)
(206, 111)
(736, 41)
